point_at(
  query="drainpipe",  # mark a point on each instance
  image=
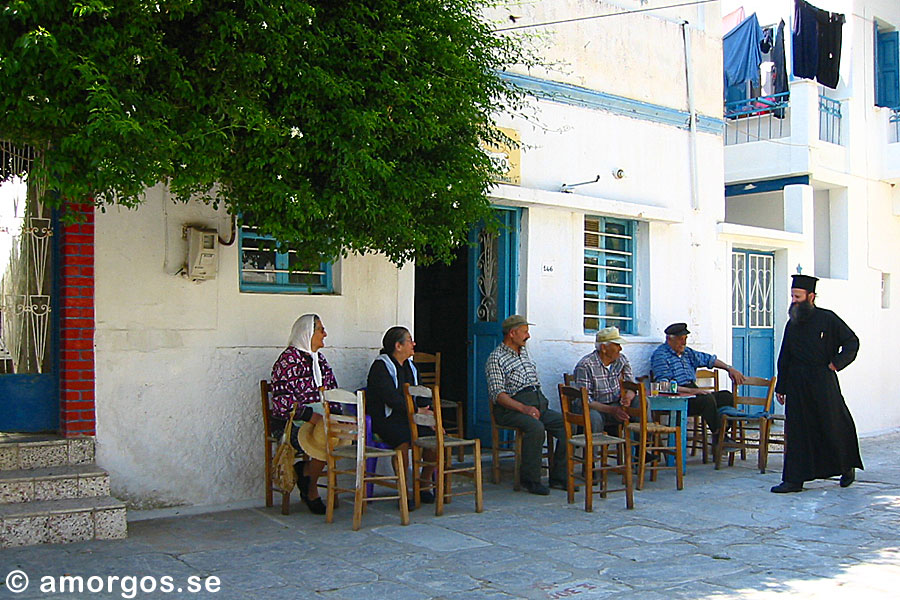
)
(689, 80)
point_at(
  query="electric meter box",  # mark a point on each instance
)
(203, 253)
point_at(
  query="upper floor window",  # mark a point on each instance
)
(266, 269)
(608, 274)
(887, 68)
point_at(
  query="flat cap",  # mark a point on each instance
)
(513, 321)
(677, 329)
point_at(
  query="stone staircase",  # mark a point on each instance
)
(52, 492)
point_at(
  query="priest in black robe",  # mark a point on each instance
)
(820, 436)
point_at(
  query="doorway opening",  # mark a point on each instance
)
(441, 321)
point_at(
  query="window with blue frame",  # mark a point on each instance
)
(609, 251)
(887, 68)
(265, 269)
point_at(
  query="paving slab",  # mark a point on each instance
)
(723, 537)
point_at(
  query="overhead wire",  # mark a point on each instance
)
(604, 15)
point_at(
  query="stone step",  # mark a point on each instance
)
(53, 483)
(62, 521)
(36, 452)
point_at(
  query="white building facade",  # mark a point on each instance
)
(812, 184)
(632, 106)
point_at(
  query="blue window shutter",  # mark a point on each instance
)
(887, 70)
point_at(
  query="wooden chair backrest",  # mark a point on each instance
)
(428, 367)
(348, 427)
(414, 419)
(570, 396)
(764, 401)
(707, 380)
(266, 407)
(640, 394)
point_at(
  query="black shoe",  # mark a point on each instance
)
(426, 497)
(561, 485)
(536, 487)
(315, 506)
(302, 481)
(848, 477)
(786, 487)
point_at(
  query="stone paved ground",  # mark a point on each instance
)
(724, 536)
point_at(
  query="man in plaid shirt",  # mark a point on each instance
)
(515, 390)
(600, 372)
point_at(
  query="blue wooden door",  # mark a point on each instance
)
(28, 359)
(493, 274)
(752, 316)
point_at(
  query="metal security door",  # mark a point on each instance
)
(28, 359)
(493, 275)
(752, 317)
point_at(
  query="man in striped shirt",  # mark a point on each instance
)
(673, 360)
(515, 390)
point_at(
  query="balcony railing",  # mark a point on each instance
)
(894, 127)
(829, 120)
(755, 119)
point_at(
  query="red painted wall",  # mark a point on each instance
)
(76, 380)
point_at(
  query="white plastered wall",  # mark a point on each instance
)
(682, 269)
(857, 182)
(179, 363)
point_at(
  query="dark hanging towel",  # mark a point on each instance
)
(778, 57)
(817, 43)
(806, 39)
(830, 33)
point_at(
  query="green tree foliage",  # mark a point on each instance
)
(333, 125)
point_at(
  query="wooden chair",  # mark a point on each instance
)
(707, 382)
(345, 439)
(511, 447)
(568, 379)
(271, 439)
(774, 436)
(589, 442)
(429, 369)
(442, 445)
(653, 437)
(741, 422)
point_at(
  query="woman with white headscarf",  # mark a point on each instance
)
(296, 378)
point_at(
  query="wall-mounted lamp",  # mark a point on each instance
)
(567, 187)
(619, 173)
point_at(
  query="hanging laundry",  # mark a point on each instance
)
(817, 43)
(778, 57)
(732, 20)
(765, 44)
(830, 34)
(740, 52)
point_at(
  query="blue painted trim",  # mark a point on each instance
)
(768, 185)
(627, 324)
(325, 287)
(566, 93)
(30, 401)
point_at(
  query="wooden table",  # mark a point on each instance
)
(677, 407)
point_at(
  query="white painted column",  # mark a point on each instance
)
(798, 218)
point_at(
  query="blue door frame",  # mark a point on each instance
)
(29, 402)
(493, 284)
(752, 314)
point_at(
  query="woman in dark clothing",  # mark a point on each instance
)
(386, 403)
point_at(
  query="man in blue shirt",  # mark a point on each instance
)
(674, 360)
